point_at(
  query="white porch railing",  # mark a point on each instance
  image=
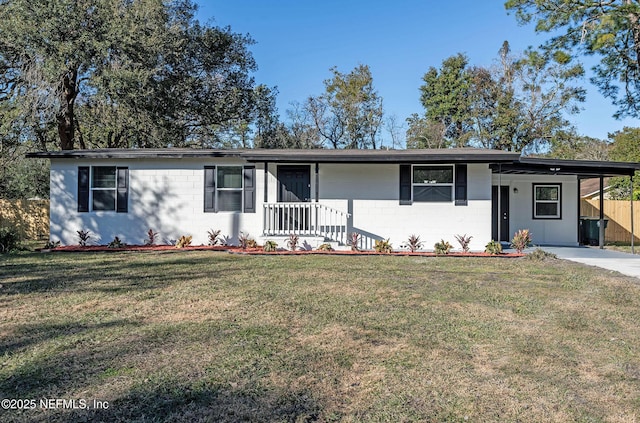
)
(313, 219)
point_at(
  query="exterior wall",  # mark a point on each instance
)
(164, 195)
(167, 195)
(376, 212)
(544, 231)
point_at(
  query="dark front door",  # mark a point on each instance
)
(502, 216)
(294, 184)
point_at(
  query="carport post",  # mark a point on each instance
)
(601, 223)
(633, 251)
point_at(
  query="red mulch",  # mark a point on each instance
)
(259, 251)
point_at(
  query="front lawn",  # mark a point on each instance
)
(208, 336)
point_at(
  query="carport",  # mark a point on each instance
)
(582, 169)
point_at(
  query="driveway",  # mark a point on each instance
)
(627, 264)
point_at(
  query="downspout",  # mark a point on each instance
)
(601, 221)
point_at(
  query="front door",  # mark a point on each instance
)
(294, 186)
(502, 216)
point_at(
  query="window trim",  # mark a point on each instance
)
(218, 189)
(211, 190)
(117, 190)
(535, 201)
(451, 184)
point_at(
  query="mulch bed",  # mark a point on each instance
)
(259, 251)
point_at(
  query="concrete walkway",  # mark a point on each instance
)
(627, 264)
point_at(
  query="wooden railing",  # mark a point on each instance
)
(312, 219)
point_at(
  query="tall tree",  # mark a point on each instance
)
(625, 148)
(518, 105)
(349, 114)
(445, 99)
(609, 29)
(121, 73)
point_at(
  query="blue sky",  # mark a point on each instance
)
(298, 41)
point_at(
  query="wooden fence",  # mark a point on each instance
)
(619, 214)
(29, 217)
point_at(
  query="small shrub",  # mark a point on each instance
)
(116, 243)
(83, 237)
(270, 246)
(383, 246)
(442, 247)
(414, 243)
(354, 241)
(243, 240)
(184, 241)
(293, 241)
(9, 240)
(325, 247)
(464, 242)
(493, 248)
(213, 235)
(521, 240)
(251, 243)
(151, 237)
(50, 245)
(540, 255)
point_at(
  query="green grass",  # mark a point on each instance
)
(203, 336)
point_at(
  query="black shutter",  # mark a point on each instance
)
(83, 189)
(209, 189)
(405, 184)
(461, 185)
(249, 189)
(122, 203)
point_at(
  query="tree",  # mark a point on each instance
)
(517, 105)
(609, 29)
(349, 114)
(521, 104)
(571, 146)
(108, 73)
(625, 148)
(445, 99)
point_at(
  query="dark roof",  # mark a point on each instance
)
(500, 161)
(582, 168)
(450, 155)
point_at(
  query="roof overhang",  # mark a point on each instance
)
(453, 155)
(500, 161)
(581, 168)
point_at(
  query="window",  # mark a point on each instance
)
(432, 183)
(547, 201)
(104, 188)
(229, 188)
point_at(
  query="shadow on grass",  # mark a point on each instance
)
(74, 362)
(101, 273)
(177, 401)
(31, 334)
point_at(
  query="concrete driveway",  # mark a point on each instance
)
(627, 264)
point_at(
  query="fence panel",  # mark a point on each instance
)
(29, 217)
(619, 214)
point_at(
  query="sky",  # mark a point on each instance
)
(298, 41)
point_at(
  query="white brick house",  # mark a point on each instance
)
(323, 195)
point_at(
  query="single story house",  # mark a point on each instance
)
(321, 195)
